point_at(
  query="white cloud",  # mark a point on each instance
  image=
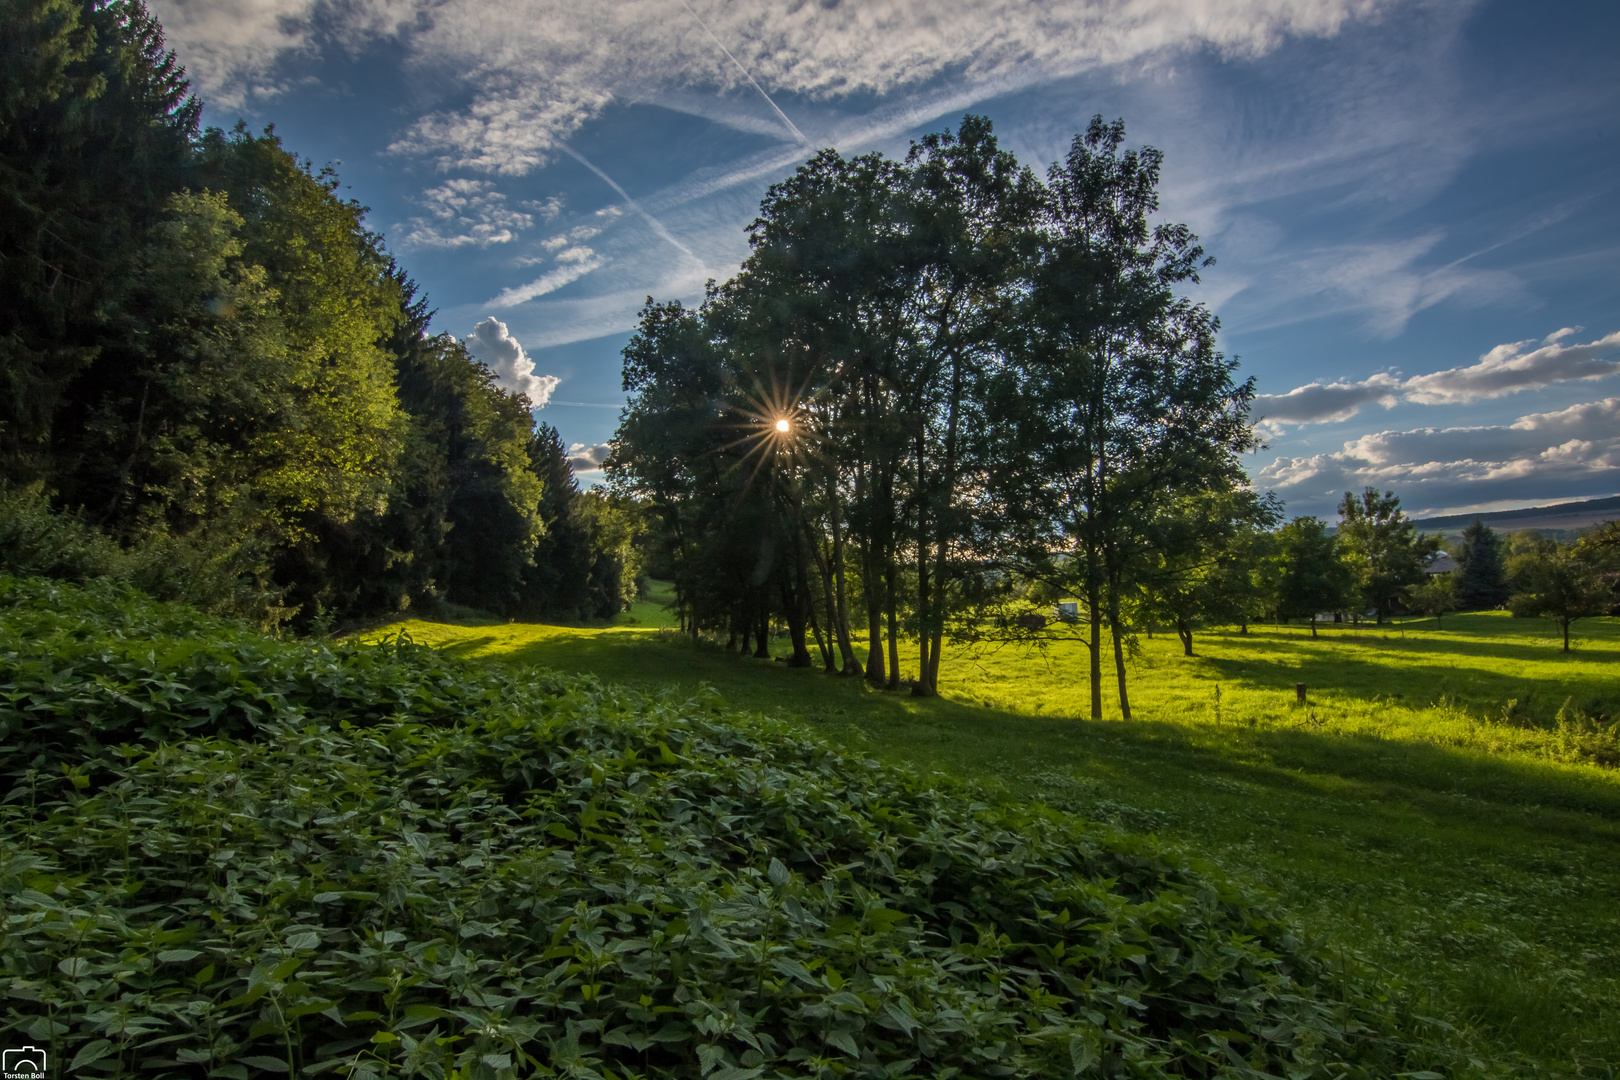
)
(1321, 403)
(1506, 369)
(230, 47)
(577, 235)
(463, 212)
(1571, 453)
(584, 458)
(581, 261)
(493, 344)
(536, 71)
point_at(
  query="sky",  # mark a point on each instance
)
(1412, 204)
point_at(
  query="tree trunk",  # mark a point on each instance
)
(1565, 624)
(1313, 626)
(1094, 646)
(795, 600)
(762, 630)
(1184, 632)
(838, 611)
(893, 599)
(921, 687)
(1116, 632)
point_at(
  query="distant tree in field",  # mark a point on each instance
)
(1383, 547)
(1198, 562)
(1314, 577)
(1435, 596)
(1558, 582)
(1481, 574)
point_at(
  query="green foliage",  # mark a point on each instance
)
(548, 877)
(1313, 577)
(93, 667)
(1429, 808)
(1382, 547)
(1481, 572)
(222, 569)
(1434, 597)
(1557, 581)
(95, 118)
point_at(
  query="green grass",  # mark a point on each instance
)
(1432, 807)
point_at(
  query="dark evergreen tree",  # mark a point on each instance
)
(557, 583)
(96, 117)
(1481, 576)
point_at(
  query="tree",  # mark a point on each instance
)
(1383, 547)
(1314, 577)
(1121, 400)
(1554, 581)
(1435, 597)
(1481, 573)
(1199, 560)
(96, 119)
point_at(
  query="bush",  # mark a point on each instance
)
(473, 877)
(221, 569)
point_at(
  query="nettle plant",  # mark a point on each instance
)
(370, 861)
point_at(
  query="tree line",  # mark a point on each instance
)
(946, 399)
(219, 383)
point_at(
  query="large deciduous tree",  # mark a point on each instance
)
(1556, 581)
(1314, 576)
(1122, 401)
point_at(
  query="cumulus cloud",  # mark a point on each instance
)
(1320, 403)
(463, 212)
(493, 344)
(1506, 369)
(1571, 453)
(582, 458)
(533, 73)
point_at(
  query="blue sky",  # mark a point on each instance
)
(1413, 205)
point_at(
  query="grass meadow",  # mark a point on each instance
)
(1445, 804)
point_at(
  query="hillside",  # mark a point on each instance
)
(1559, 517)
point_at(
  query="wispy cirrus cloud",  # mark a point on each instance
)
(575, 263)
(1510, 368)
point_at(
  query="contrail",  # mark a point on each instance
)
(657, 226)
(797, 134)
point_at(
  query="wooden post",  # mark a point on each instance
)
(1299, 692)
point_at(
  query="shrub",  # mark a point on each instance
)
(487, 879)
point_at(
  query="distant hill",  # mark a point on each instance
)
(1560, 517)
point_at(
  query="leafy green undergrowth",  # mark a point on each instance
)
(495, 876)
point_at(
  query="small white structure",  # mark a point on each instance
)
(1068, 610)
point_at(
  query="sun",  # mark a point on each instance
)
(783, 425)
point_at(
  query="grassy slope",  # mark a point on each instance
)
(1399, 813)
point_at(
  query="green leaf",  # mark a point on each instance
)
(178, 956)
(92, 1051)
(268, 1064)
(778, 873)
